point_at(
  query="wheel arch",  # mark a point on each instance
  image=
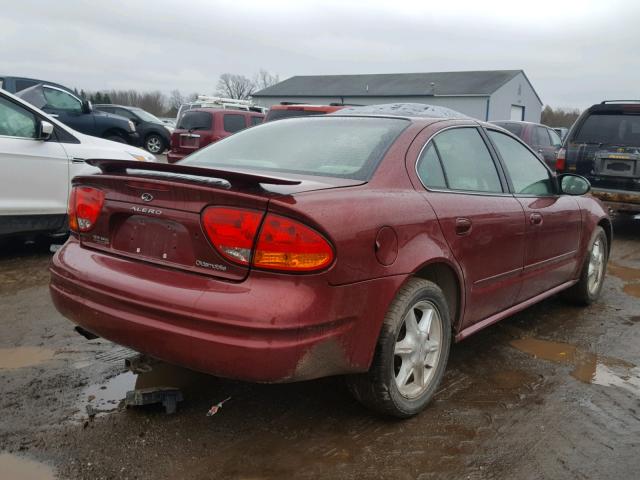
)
(607, 226)
(445, 275)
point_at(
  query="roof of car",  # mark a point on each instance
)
(406, 110)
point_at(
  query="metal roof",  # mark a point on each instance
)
(480, 83)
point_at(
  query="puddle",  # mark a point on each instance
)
(21, 468)
(627, 274)
(107, 396)
(18, 357)
(588, 367)
(632, 289)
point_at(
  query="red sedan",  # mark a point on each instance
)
(340, 244)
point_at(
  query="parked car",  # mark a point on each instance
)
(154, 135)
(169, 122)
(61, 103)
(38, 157)
(542, 139)
(328, 245)
(288, 110)
(199, 127)
(561, 131)
(604, 146)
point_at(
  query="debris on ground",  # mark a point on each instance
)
(214, 409)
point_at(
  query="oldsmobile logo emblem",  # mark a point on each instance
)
(147, 197)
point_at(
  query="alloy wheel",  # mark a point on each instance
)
(154, 144)
(418, 349)
(596, 266)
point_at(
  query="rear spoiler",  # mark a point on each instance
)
(232, 177)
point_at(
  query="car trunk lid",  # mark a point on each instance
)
(152, 212)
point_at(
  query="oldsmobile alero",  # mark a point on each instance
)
(358, 245)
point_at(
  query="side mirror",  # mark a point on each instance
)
(86, 106)
(572, 184)
(46, 130)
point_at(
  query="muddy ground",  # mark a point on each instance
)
(553, 392)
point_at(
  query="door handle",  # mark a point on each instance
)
(463, 226)
(77, 160)
(535, 219)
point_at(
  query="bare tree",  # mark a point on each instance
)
(175, 99)
(559, 117)
(264, 79)
(235, 86)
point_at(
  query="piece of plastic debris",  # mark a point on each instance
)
(214, 409)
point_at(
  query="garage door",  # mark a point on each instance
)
(517, 112)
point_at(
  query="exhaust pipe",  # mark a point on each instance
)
(86, 333)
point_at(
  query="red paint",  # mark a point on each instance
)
(239, 321)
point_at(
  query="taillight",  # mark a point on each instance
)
(282, 243)
(85, 205)
(286, 244)
(561, 159)
(232, 231)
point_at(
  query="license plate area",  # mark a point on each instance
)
(156, 239)
(189, 140)
(619, 167)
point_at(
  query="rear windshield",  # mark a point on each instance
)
(280, 114)
(195, 121)
(610, 128)
(327, 146)
(515, 128)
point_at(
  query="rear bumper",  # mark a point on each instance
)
(618, 200)
(269, 328)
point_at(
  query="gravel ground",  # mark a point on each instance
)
(553, 392)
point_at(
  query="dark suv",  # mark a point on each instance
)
(155, 137)
(62, 103)
(604, 146)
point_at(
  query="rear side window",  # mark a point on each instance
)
(195, 121)
(610, 128)
(515, 128)
(22, 84)
(528, 174)
(256, 120)
(233, 122)
(348, 147)
(467, 163)
(430, 169)
(542, 137)
(555, 138)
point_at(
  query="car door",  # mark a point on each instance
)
(556, 143)
(68, 109)
(482, 223)
(35, 173)
(553, 221)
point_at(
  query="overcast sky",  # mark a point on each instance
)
(575, 53)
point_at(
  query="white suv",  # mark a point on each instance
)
(38, 158)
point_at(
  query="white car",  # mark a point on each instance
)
(38, 158)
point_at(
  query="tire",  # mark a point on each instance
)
(155, 144)
(114, 137)
(587, 291)
(401, 347)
